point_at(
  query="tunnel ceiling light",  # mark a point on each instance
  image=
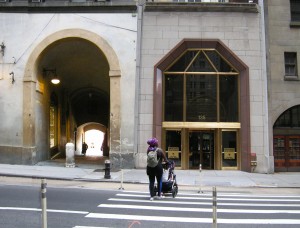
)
(55, 81)
(51, 73)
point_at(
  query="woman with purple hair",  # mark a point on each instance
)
(155, 155)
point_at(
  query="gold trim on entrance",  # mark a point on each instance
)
(201, 125)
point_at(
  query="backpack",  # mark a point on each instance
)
(152, 160)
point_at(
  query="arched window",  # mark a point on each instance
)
(53, 123)
(201, 86)
(290, 118)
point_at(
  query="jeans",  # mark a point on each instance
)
(155, 173)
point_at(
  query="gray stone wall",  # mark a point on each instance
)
(282, 38)
(22, 34)
(241, 32)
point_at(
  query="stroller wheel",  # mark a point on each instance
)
(175, 191)
(155, 189)
(174, 194)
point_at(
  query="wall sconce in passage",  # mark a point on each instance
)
(2, 48)
(52, 74)
(12, 77)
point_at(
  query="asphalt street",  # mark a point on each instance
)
(80, 204)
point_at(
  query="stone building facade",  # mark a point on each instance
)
(204, 77)
(236, 32)
(283, 45)
(91, 46)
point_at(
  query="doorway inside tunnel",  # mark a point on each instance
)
(95, 137)
(94, 140)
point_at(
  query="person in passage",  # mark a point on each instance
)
(157, 171)
(84, 148)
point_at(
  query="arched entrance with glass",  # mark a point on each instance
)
(201, 107)
(286, 141)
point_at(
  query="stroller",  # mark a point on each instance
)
(169, 184)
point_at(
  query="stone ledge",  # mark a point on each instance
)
(62, 6)
(200, 7)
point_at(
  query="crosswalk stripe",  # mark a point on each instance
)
(90, 227)
(160, 202)
(193, 220)
(223, 195)
(38, 209)
(149, 218)
(138, 207)
(189, 209)
(219, 198)
(203, 203)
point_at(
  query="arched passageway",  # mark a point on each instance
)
(87, 67)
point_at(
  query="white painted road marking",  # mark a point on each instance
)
(89, 227)
(204, 203)
(224, 195)
(193, 220)
(189, 209)
(219, 198)
(38, 209)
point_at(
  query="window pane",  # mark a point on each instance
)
(290, 118)
(229, 99)
(229, 149)
(290, 61)
(201, 64)
(173, 98)
(173, 146)
(220, 64)
(295, 117)
(201, 98)
(295, 10)
(183, 62)
(52, 129)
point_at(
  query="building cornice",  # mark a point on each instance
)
(68, 7)
(200, 7)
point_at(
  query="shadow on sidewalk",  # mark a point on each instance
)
(81, 161)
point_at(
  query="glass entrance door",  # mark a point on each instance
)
(229, 150)
(173, 146)
(201, 149)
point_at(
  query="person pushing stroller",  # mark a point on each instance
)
(155, 157)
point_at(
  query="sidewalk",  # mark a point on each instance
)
(95, 173)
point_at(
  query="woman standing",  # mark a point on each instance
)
(155, 156)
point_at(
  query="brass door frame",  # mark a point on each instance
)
(164, 146)
(217, 144)
(238, 152)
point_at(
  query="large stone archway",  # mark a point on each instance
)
(30, 85)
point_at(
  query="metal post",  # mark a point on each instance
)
(200, 170)
(107, 169)
(121, 187)
(44, 203)
(214, 207)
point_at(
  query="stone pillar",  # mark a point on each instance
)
(29, 145)
(115, 128)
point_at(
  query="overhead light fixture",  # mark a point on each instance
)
(51, 73)
(2, 48)
(12, 77)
